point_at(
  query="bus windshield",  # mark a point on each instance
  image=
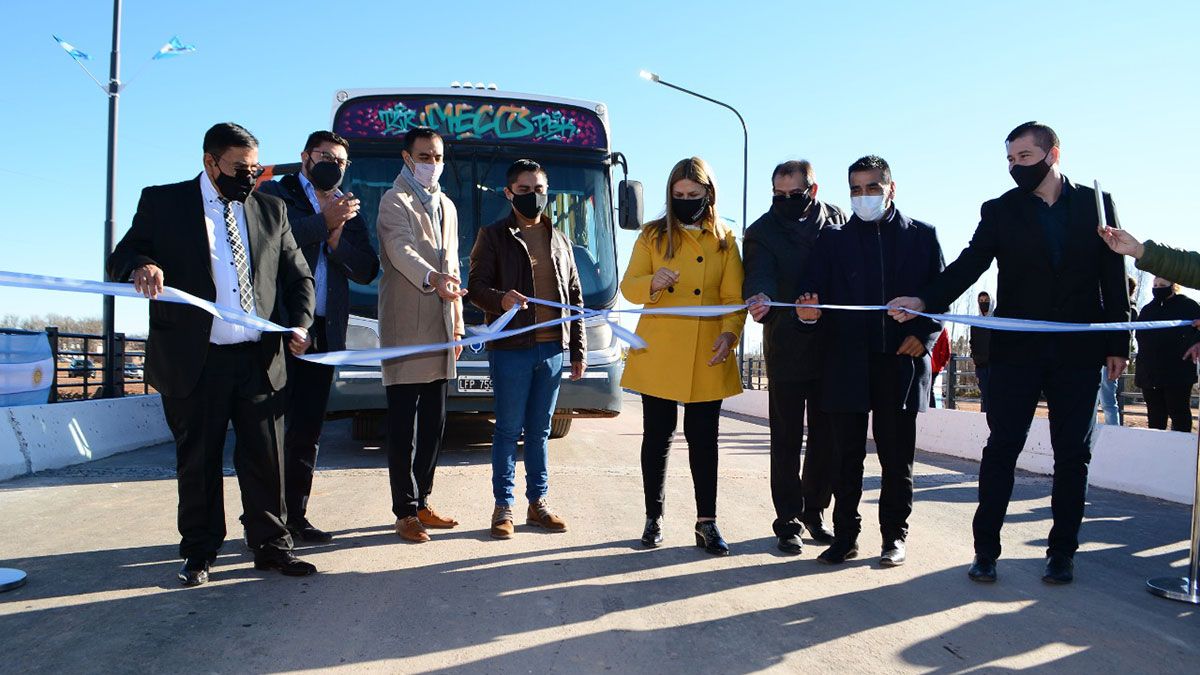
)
(474, 179)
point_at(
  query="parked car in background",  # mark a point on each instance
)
(81, 368)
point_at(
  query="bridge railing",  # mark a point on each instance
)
(79, 365)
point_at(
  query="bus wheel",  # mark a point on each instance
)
(367, 427)
(560, 426)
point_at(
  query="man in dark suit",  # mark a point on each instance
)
(873, 364)
(327, 228)
(1052, 268)
(213, 237)
(777, 250)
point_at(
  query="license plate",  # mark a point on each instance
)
(475, 383)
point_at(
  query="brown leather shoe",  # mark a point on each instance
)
(502, 523)
(411, 529)
(430, 518)
(539, 515)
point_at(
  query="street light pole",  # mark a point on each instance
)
(653, 77)
(110, 209)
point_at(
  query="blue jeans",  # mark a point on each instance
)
(526, 384)
(1108, 399)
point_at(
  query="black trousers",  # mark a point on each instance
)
(233, 387)
(416, 418)
(307, 398)
(983, 377)
(1174, 401)
(895, 432)
(799, 497)
(1013, 394)
(701, 423)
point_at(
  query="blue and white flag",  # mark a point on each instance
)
(173, 48)
(71, 49)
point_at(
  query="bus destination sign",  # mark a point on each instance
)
(496, 120)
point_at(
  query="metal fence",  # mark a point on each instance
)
(754, 372)
(79, 366)
(958, 386)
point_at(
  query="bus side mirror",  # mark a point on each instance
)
(629, 204)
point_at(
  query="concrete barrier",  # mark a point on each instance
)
(1160, 464)
(39, 437)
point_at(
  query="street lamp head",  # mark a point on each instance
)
(649, 76)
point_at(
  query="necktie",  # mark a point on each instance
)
(234, 237)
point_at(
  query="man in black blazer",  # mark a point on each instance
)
(213, 237)
(336, 246)
(873, 364)
(777, 250)
(1042, 234)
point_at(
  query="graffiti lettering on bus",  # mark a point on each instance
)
(472, 120)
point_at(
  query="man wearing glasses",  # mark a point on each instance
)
(213, 237)
(777, 250)
(334, 240)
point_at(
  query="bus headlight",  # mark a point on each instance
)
(361, 337)
(599, 335)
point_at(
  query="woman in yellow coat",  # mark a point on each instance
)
(687, 258)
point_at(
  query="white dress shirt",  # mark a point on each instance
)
(224, 272)
(320, 274)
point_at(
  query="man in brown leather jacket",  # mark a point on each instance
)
(517, 258)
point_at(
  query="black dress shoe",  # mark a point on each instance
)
(708, 537)
(818, 532)
(841, 551)
(790, 545)
(194, 571)
(983, 570)
(1060, 569)
(652, 535)
(894, 553)
(304, 531)
(284, 561)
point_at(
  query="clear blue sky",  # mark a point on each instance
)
(931, 86)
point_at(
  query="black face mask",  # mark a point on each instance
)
(530, 205)
(1028, 178)
(688, 211)
(984, 307)
(792, 207)
(235, 188)
(1162, 292)
(325, 176)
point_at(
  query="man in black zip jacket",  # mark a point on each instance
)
(777, 249)
(334, 240)
(1042, 235)
(872, 363)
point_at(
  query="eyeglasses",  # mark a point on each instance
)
(240, 169)
(793, 193)
(324, 156)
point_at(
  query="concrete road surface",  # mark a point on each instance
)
(99, 544)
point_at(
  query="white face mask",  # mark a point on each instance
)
(428, 174)
(869, 208)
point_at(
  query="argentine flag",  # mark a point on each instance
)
(173, 48)
(71, 49)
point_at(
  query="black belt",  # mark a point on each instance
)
(235, 347)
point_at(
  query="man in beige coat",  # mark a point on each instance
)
(420, 302)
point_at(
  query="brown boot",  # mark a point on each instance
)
(539, 516)
(502, 523)
(430, 518)
(411, 529)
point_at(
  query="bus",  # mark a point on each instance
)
(485, 130)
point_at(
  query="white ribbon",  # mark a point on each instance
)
(228, 314)
(499, 330)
